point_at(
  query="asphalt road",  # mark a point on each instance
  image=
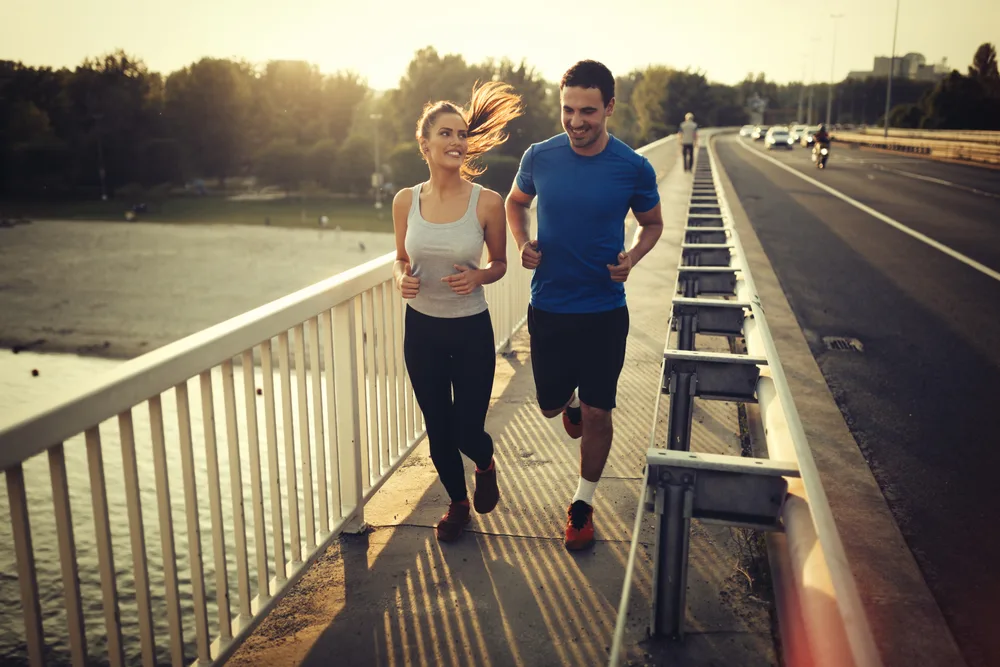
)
(923, 398)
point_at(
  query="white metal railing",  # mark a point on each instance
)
(340, 421)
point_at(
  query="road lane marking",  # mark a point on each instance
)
(881, 216)
(878, 164)
(939, 181)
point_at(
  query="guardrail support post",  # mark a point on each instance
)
(681, 410)
(713, 488)
(673, 501)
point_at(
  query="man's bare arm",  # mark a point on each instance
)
(650, 228)
(517, 206)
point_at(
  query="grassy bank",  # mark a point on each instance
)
(347, 213)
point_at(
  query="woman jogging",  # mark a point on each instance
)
(441, 227)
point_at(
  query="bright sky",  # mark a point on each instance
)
(377, 38)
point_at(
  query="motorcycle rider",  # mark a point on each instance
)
(822, 137)
(821, 140)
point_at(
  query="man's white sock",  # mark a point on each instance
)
(585, 491)
(575, 401)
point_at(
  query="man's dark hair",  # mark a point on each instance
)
(590, 74)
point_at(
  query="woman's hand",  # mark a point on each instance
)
(463, 282)
(408, 284)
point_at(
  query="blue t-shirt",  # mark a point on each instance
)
(582, 204)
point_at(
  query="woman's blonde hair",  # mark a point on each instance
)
(492, 105)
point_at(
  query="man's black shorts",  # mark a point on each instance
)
(570, 350)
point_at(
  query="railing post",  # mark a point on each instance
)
(347, 351)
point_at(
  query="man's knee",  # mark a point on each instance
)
(552, 412)
(595, 418)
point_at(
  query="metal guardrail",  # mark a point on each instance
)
(719, 298)
(983, 150)
(972, 136)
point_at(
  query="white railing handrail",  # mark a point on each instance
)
(356, 412)
(55, 420)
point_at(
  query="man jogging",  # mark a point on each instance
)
(586, 181)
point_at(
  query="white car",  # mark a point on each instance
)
(746, 130)
(806, 140)
(778, 137)
(796, 132)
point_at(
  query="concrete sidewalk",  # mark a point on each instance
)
(509, 593)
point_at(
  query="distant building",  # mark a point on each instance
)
(934, 72)
(911, 66)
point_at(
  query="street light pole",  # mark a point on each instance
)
(833, 57)
(802, 89)
(812, 77)
(812, 90)
(892, 66)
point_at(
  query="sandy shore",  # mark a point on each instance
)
(120, 290)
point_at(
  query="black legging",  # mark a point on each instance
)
(443, 354)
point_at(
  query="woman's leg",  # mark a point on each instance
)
(473, 365)
(426, 353)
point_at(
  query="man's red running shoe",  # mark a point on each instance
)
(579, 526)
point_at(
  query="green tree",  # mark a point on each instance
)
(207, 108)
(291, 99)
(429, 77)
(906, 116)
(726, 109)
(863, 100)
(321, 163)
(355, 165)
(341, 97)
(282, 162)
(624, 123)
(759, 85)
(406, 167)
(984, 67)
(500, 172)
(160, 162)
(541, 107)
(650, 102)
(664, 96)
(27, 122)
(117, 102)
(961, 103)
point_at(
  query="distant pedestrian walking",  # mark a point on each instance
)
(689, 138)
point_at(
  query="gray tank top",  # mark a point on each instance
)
(434, 249)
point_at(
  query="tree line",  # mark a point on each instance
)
(112, 124)
(959, 102)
